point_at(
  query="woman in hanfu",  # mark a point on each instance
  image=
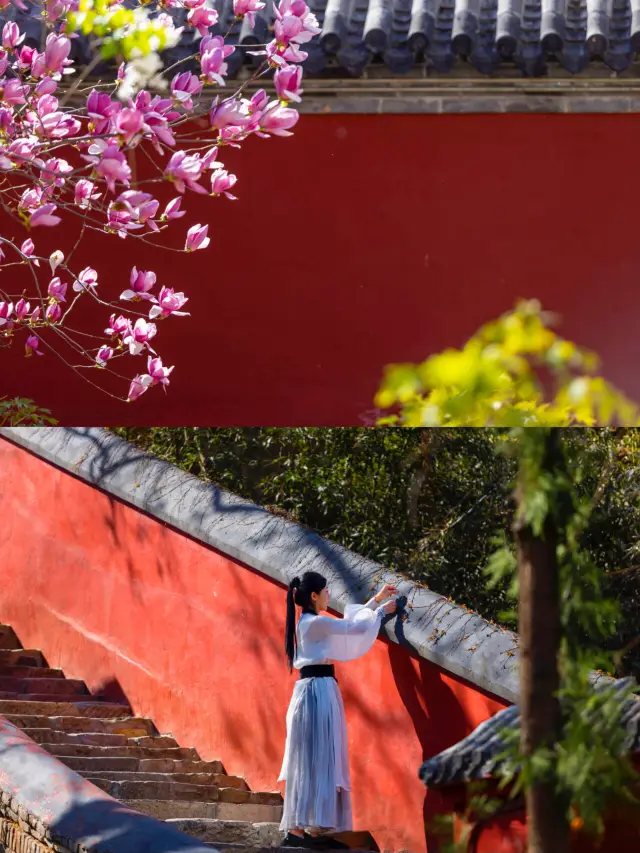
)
(315, 768)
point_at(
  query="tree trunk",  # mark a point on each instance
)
(540, 633)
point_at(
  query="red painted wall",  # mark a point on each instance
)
(194, 640)
(364, 240)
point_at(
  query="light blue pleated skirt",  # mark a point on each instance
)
(316, 761)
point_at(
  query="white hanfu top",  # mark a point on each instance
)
(322, 639)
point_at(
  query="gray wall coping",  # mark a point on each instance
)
(57, 802)
(436, 628)
(470, 103)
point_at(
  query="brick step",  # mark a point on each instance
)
(22, 657)
(8, 639)
(143, 765)
(218, 780)
(79, 748)
(131, 727)
(100, 710)
(30, 672)
(182, 791)
(230, 831)
(42, 686)
(168, 809)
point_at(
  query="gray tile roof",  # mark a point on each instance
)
(528, 37)
(427, 37)
(478, 755)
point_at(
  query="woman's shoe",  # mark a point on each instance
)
(295, 841)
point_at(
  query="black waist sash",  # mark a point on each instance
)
(319, 670)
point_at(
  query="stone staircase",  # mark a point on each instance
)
(125, 756)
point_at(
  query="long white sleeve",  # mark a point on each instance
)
(348, 638)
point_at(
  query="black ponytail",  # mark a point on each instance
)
(290, 643)
(299, 593)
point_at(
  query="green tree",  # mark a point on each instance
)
(515, 371)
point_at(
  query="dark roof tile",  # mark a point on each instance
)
(478, 755)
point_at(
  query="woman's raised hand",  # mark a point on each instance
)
(386, 592)
(390, 607)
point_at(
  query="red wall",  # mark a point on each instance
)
(364, 240)
(194, 640)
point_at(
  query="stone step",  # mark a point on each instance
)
(8, 639)
(77, 746)
(182, 809)
(43, 686)
(230, 831)
(72, 741)
(30, 672)
(22, 657)
(218, 780)
(227, 847)
(10, 695)
(142, 765)
(25, 705)
(130, 790)
(130, 727)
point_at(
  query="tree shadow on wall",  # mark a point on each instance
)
(438, 718)
(114, 462)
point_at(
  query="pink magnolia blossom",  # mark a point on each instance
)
(4, 61)
(129, 124)
(101, 110)
(120, 326)
(28, 249)
(221, 183)
(185, 170)
(103, 356)
(168, 303)
(87, 280)
(85, 193)
(247, 8)
(287, 82)
(109, 162)
(183, 87)
(213, 56)
(54, 170)
(258, 102)
(229, 112)
(53, 312)
(158, 372)
(22, 309)
(172, 210)
(201, 18)
(31, 199)
(47, 86)
(25, 57)
(6, 311)
(139, 385)
(35, 314)
(11, 37)
(14, 92)
(197, 238)
(31, 346)
(57, 290)
(44, 216)
(56, 53)
(139, 336)
(276, 120)
(141, 283)
(121, 217)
